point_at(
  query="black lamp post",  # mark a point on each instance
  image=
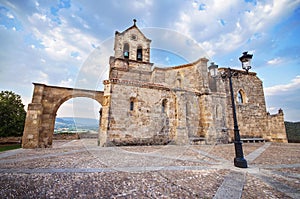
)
(239, 160)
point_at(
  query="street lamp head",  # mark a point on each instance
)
(246, 61)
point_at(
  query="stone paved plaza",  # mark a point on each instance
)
(80, 169)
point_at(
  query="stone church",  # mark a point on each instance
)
(145, 105)
(185, 104)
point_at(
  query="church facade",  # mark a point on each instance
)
(187, 104)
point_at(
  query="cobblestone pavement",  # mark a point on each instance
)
(80, 169)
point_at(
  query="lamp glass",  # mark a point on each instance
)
(246, 64)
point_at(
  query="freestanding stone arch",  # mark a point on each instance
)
(41, 114)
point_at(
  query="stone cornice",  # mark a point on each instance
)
(238, 71)
(65, 88)
(150, 85)
(132, 60)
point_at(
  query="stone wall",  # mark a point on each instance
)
(219, 121)
(253, 119)
(143, 123)
(193, 110)
(276, 128)
(188, 111)
(190, 77)
(130, 70)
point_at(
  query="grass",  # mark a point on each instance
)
(9, 147)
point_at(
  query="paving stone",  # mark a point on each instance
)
(232, 186)
(79, 169)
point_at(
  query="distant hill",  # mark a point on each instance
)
(293, 131)
(76, 123)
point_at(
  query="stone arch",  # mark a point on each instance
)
(40, 118)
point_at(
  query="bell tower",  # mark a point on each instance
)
(132, 45)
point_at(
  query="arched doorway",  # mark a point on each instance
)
(78, 117)
(40, 118)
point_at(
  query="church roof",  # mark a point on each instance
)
(203, 59)
(134, 26)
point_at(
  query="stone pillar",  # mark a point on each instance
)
(206, 119)
(104, 124)
(33, 120)
(47, 129)
(203, 78)
(181, 129)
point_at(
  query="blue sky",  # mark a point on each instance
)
(68, 42)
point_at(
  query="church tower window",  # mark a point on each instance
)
(126, 51)
(139, 54)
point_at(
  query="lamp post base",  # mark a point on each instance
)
(240, 162)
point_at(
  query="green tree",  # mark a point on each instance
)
(12, 114)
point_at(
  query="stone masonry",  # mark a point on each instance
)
(146, 105)
(186, 104)
(41, 113)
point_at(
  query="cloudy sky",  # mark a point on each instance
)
(68, 42)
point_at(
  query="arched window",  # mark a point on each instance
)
(139, 54)
(241, 97)
(178, 80)
(132, 104)
(164, 105)
(126, 50)
(178, 83)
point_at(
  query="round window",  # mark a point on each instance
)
(133, 37)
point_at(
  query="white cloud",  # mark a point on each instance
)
(26, 101)
(42, 77)
(37, 4)
(67, 83)
(95, 68)
(244, 22)
(138, 4)
(60, 41)
(272, 109)
(280, 89)
(10, 16)
(275, 61)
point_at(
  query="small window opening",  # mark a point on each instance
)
(164, 106)
(178, 80)
(131, 105)
(126, 51)
(139, 54)
(240, 98)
